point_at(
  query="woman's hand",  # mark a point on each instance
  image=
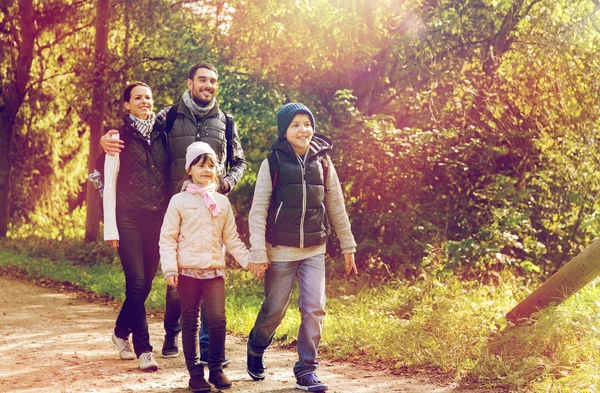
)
(114, 244)
(172, 281)
(350, 265)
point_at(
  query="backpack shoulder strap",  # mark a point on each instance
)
(171, 116)
(229, 138)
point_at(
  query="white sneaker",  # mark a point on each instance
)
(124, 346)
(147, 362)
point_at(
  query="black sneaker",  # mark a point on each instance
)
(204, 360)
(310, 383)
(255, 367)
(198, 384)
(170, 348)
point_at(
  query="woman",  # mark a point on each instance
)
(134, 204)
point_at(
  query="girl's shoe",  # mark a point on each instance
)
(147, 362)
(198, 384)
(219, 379)
(124, 346)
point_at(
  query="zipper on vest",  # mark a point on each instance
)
(303, 168)
(277, 213)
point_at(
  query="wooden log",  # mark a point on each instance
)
(576, 274)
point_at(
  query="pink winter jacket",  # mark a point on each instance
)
(191, 238)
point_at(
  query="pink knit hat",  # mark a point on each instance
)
(195, 150)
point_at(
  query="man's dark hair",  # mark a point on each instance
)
(131, 86)
(195, 67)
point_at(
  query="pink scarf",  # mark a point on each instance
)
(207, 194)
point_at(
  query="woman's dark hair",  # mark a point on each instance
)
(131, 86)
(196, 66)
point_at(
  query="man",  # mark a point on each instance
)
(196, 117)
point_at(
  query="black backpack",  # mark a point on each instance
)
(172, 115)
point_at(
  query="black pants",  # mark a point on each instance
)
(191, 291)
(138, 251)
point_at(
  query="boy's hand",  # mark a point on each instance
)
(109, 145)
(258, 269)
(172, 281)
(350, 265)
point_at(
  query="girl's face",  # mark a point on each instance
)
(140, 104)
(299, 133)
(203, 172)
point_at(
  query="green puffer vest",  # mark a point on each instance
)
(185, 131)
(297, 216)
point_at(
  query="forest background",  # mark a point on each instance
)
(465, 132)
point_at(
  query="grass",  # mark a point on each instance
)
(444, 325)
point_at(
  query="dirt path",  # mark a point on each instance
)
(59, 342)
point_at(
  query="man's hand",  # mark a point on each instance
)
(350, 265)
(109, 145)
(258, 269)
(173, 281)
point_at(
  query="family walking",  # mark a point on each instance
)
(166, 180)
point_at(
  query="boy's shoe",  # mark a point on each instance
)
(198, 384)
(204, 360)
(147, 362)
(310, 383)
(255, 367)
(219, 379)
(170, 348)
(124, 346)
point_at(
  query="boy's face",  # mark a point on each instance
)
(204, 85)
(299, 133)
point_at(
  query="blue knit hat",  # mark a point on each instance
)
(286, 114)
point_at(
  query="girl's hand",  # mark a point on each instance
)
(114, 244)
(172, 281)
(258, 269)
(350, 265)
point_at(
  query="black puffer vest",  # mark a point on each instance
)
(297, 216)
(185, 131)
(143, 173)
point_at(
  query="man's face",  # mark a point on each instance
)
(204, 85)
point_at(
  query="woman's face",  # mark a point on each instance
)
(203, 173)
(299, 133)
(140, 103)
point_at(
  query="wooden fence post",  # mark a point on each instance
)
(576, 274)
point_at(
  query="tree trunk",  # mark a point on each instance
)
(92, 222)
(14, 92)
(571, 278)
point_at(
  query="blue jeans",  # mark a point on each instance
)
(172, 322)
(191, 291)
(279, 279)
(139, 255)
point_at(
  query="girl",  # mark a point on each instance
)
(197, 224)
(297, 193)
(134, 203)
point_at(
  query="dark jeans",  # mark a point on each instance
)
(138, 251)
(172, 324)
(191, 291)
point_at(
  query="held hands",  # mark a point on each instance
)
(109, 145)
(350, 265)
(258, 269)
(172, 281)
